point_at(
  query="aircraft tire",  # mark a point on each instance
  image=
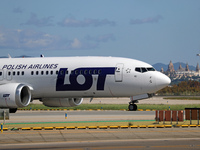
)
(132, 107)
(12, 110)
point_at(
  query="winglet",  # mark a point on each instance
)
(9, 56)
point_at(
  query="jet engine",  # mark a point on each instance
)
(62, 102)
(14, 95)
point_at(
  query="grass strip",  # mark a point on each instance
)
(96, 123)
(113, 107)
(79, 122)
(182, 98)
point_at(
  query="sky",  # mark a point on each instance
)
(154, 31)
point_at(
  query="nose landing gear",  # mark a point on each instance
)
(132, 107)
(134, 99)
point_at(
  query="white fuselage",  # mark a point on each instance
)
(60, 77)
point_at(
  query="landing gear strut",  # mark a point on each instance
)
(132, 107)
(134, 99)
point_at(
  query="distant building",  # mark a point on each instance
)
(162, 70)
(170, 68)
(197, 68)
(187, 67)
(181, 71)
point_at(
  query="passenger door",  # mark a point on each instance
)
(119, 72)
(1, 75)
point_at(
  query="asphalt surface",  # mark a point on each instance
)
(99, 139)
(118, 139)
(59, 116)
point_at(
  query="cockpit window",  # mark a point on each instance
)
(151, 69)
(143, 69)
(138, 69)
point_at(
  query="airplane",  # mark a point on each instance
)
(65, 81)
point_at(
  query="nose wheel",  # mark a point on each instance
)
(132, 107)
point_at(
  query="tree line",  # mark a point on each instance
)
(182, 88)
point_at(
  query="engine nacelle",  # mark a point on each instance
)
(62, 102)
(14, 95)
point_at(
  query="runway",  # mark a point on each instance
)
(173, 138)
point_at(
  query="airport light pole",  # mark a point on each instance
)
(199, 56)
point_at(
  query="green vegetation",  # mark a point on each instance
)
(80, 123)
(115, 107)
(14, 126)
(182, 98)
(182, 88)
(81, 107)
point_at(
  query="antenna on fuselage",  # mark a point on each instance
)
(41, 55)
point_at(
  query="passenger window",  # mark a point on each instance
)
(13, 73)
(72, 72)
(51, 72)
(61, 72)
(144, 70)
(37, 72)
(76, 72)
(42, 72)
(138, 69)
(90, 71)
(0, 73)
(9, 73)
(32, 72)
(99, 71)
(66, 72)
(18, 73)
(117, 69)
(81, 71)
(95, 72)
(22, 72)
(86, 71)
(47, 72)
(57, 72)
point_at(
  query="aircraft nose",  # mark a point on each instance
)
(162, 81)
